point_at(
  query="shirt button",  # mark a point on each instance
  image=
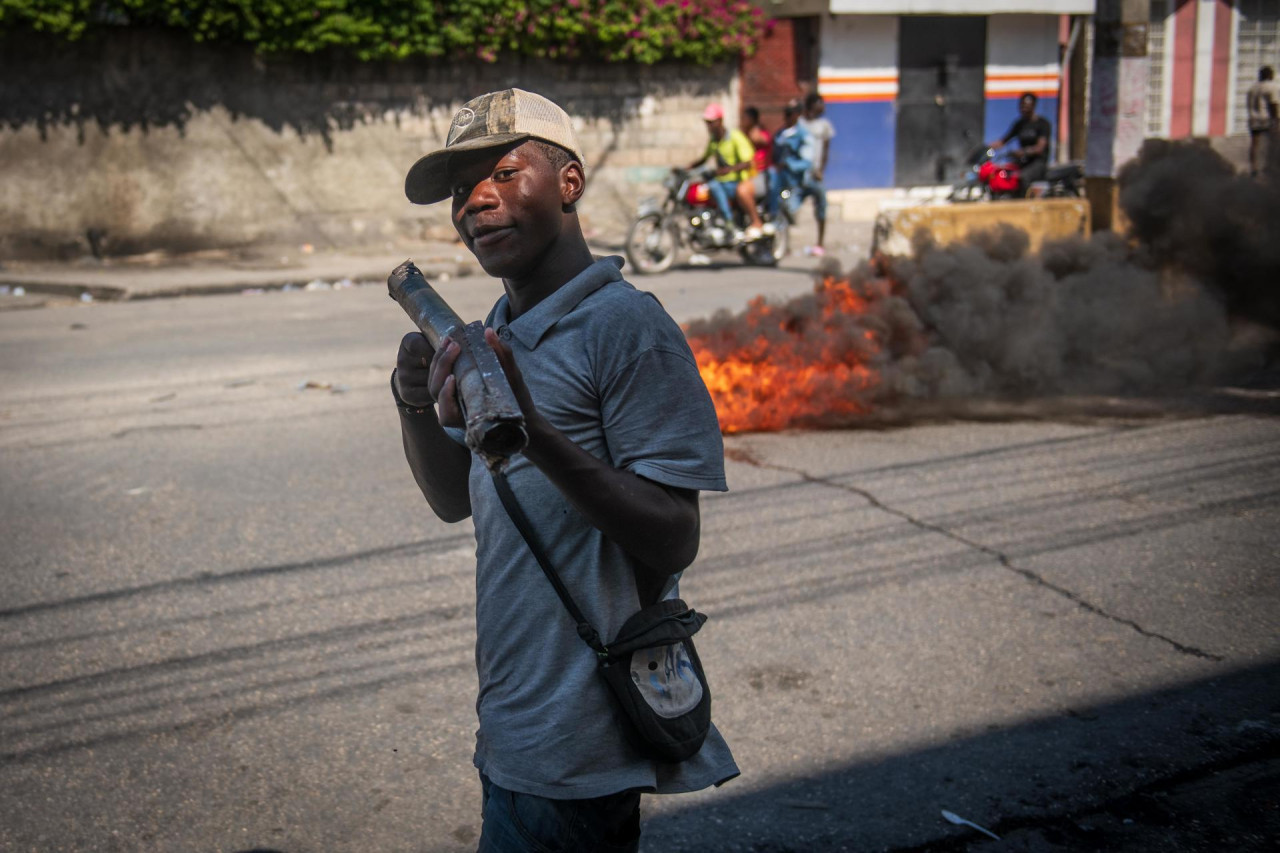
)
(504, 333)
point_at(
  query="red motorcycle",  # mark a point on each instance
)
(993, 177)
(688, 216)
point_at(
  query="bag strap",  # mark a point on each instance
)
(588, 633)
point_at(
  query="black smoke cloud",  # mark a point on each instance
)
(1157, 312)
(1081, 317)
(1191, 210)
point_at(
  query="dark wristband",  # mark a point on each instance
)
(404, 407)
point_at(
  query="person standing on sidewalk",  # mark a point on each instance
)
(622, 436)
(820, 128)
(1263, 102)
(793, 151)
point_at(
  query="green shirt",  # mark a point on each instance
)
(733, 147)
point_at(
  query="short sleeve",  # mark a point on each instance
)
(660, 423)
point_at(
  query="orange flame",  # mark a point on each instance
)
(805, 362)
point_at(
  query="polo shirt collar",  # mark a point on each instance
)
(530, 326)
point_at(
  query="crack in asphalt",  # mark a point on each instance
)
(1001, 557)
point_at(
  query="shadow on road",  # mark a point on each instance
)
(1113, 776)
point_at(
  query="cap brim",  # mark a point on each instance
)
(428, 179)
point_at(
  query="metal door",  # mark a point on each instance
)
(941, 101)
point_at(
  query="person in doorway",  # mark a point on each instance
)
(820, 128)
(734, 157)
(1263, 102)
(1032, 132)
(793, 152)
(622, 436)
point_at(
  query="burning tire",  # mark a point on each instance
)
(651, 244)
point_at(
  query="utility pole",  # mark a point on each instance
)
(1117, 101)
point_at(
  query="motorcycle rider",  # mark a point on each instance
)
(762, 141)
(735, 165)
(1032, 132)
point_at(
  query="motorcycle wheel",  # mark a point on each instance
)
(651, 244)
(769, 251)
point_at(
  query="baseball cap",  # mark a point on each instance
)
(713, 112)
(489, 121)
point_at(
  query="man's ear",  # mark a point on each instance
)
(573, 181)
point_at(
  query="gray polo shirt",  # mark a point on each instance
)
(610, 368)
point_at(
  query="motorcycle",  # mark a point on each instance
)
(992, 177)
(688, 216)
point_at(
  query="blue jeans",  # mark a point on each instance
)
(524, 823)
(784, 179)
(721, 193)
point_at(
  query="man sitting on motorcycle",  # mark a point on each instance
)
(734, 155)
(1032, 132)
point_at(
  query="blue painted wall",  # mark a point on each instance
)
(862, 151)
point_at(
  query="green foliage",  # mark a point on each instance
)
(642, 31)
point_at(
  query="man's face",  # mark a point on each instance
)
(715, 127)
(790, 118)
(816, 109)
(507, 207)
(1026, 107)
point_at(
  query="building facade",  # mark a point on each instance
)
(913, 86)
(1204, 55)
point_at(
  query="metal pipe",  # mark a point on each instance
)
(494, 423)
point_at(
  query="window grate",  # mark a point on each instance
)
(1156, 52)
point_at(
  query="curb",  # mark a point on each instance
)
(77, 288)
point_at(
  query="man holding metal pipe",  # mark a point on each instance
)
(622, 436)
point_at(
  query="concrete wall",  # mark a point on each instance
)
(858, 78)
(158, 143)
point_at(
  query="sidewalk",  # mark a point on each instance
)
(160, 275)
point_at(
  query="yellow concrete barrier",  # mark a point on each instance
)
(1042, 219)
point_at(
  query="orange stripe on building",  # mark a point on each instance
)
(860, 98)
(1042, 76)
(1184, 67)
(1009, 96)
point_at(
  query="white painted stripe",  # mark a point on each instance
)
(1203, 85)
(1170, 43)
(828, 72)
(1017, 87)
(1233, 72)
(890, 89)
(1047, 68)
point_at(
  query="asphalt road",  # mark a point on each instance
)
(229, 622)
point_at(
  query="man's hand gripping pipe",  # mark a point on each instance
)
(494, 422)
